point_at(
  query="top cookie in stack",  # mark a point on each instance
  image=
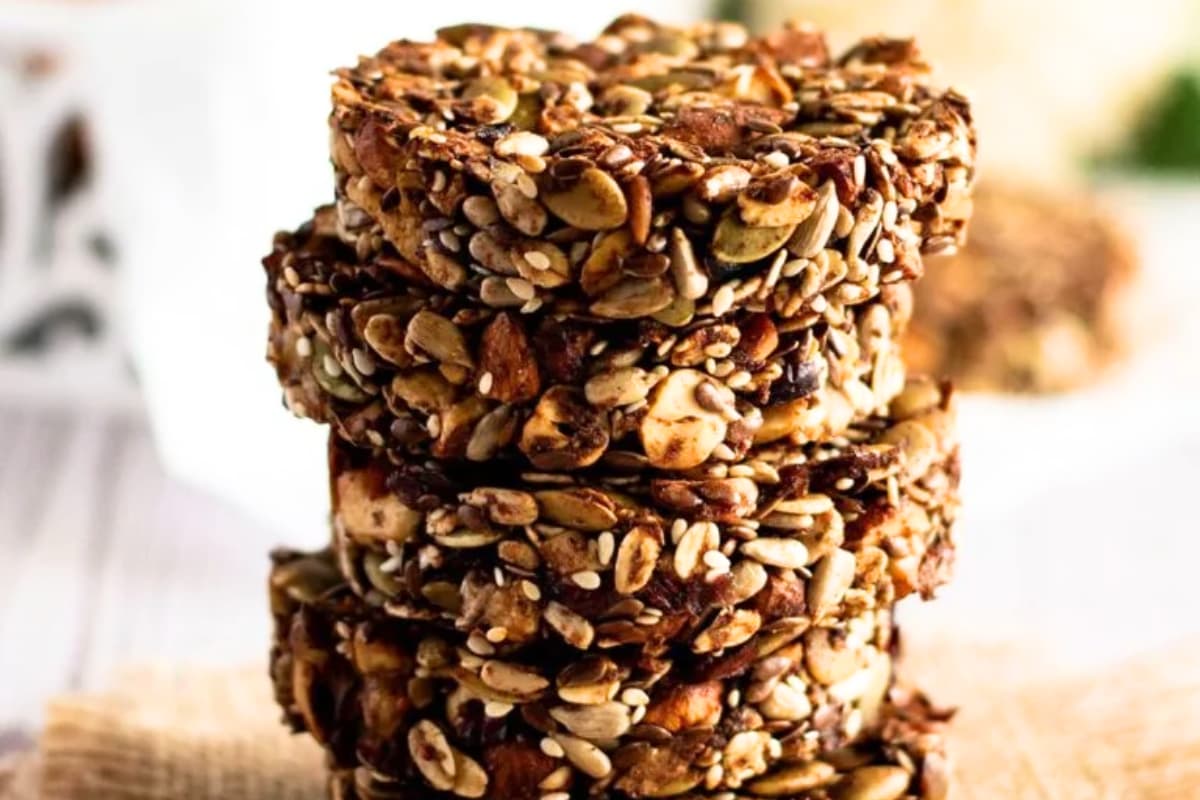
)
(658, 249)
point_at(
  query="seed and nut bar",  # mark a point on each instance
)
(654, 170)
(416, 708)
(827, 531)
(394, 365)
(1038, 301)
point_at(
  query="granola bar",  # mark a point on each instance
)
(404, 709)
(654, 170)
(827, 531)
(397, 365)
(1038, 301)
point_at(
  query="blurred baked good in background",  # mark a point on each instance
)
(1037, 301)
(1052, 83)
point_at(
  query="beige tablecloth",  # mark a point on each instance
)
(1025, 730)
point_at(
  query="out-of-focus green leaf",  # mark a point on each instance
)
(1168, 137)
(730, 10)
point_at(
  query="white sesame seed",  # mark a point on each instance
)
(485, 383)
(635, 697)
(521, 288)
(637, 715)
(776, 159)
(537, 259)
(497, 634)
(497, 710)
(434, 426)
(722, 300)
(586, 579)
(304, 347)
(605, 547)
(531, 591)
(479, 645)
(886, 251)
(363, 361)
(526, 186)
(716, 560)
(551, 748)
(331, 366)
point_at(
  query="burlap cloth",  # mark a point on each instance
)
(1026, 729)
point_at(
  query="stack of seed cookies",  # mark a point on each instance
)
(626, 473)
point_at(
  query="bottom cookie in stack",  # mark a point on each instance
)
(405, 709)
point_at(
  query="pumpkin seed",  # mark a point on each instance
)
(494, 98)
(593, 201)
(736, 242)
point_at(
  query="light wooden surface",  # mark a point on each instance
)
(104, 561)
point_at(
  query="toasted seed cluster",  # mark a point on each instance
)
(1040, 300)
(403, 707)
(627, 474)
(831, 530)
(396, 365)
(654, 170)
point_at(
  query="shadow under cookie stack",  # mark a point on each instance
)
(627, 476)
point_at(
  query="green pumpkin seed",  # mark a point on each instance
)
(592, 202)
(493, 96)
(735, 242)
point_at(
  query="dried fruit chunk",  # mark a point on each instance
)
(504, 506)
(682, 426)
(505, 355)
(591, 201)
(687, 706)
(368, 511)
(564, 432)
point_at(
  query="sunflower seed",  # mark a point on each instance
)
(785, 553)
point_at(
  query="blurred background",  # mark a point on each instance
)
(149, 149)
